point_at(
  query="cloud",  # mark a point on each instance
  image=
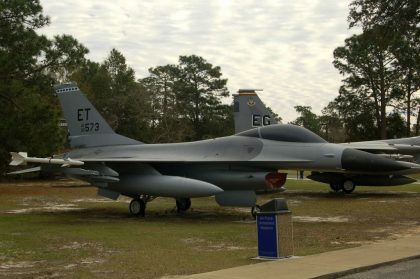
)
(284, 47)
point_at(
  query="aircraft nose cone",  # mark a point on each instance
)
(356, 160)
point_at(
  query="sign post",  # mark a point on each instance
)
(275, 230)
(267, 236)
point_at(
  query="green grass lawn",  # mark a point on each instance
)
(64, 230)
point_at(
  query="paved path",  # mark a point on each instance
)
(402, 270)
(326, 265)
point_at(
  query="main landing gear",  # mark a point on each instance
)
(137, 206)
(347, 186)
(183, 204)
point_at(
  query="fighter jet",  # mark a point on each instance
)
(234, 169)
(250, 112)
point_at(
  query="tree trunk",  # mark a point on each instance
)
(418, 122)
(197, 127)
(408, 113)
(408, 91)
(375, 94)
(383, 99)
(383, 117)
(377, 113)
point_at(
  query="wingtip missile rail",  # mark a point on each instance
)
(21, 158)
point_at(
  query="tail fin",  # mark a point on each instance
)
(86, 126)
(250, 111)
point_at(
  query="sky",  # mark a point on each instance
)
(283, 47)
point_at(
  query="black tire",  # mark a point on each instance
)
(183, 205)
(336, 187)
(348, 186)
(137, 207)
(254, 210)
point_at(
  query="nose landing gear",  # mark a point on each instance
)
(336, 187)
(254, 210)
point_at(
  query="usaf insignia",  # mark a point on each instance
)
(251, 102)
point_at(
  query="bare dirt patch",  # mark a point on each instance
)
(205, 245)
(47, 207)
(314, 219)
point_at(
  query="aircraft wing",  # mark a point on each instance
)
(187, 160)
(371, 146)
(379, 146)
(99, 167)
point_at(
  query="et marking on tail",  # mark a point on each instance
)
(87, 127)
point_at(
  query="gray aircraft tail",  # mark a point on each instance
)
(86, 126)
(249, 111)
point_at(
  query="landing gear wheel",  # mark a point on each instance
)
(336, 187)
(183, 204)
(137, 207)
(254, 210)
(348, 186)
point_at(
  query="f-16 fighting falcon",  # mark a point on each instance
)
(250, 113)
(234, 169)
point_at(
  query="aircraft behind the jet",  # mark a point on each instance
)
(248, 107)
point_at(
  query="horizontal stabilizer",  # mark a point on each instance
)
(79, 172)
(36, 169)
(92, 176)
(104, 179)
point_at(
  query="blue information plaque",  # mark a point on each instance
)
(267, 235)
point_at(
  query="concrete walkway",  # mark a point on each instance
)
(326, 265)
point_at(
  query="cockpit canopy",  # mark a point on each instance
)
(283, 132)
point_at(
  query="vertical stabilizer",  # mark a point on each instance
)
(86, 126)
(249, 111)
